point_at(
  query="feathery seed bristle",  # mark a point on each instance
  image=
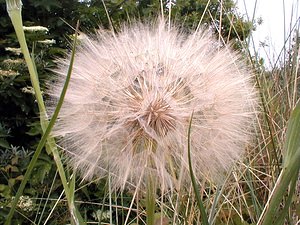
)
(130, 99)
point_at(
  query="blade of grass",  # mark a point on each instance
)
(213, 210)
(197, 195)
(110, 198)
(257, 206)
(291, 166)
(77, 219)
(47, 199)
(284, 211)
(55, 151)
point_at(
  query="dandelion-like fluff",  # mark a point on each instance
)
(131, 95)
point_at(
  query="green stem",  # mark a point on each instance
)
(69, 193)
(16, 18)
(14, 11)
(204, 218)
(150, 200)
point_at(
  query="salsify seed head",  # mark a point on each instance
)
(131, 95)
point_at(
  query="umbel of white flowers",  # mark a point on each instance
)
(130, 99)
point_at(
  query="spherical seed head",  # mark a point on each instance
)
(130, 99)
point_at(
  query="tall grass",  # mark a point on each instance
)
(262, 189)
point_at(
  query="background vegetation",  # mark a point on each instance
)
(240, 200)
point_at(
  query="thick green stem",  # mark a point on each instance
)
(14, 12)
(150, 200)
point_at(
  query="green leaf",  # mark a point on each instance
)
(204, 218)
(288, 176)
(5, 191)
(292, 143)
(3, 143)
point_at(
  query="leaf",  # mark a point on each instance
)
(204, 218)
(5, 191)
(288, 175)
(4, 143)
(10, 168)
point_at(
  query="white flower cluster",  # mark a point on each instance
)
(8, 73)
(100, 215)
(47, 41)
(25, 203)
(16, 51)
(13, 61)
(28, 90)
(36, 29)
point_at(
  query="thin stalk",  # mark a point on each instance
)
(110, 198)
(204, 218)
(14, 12)
(213, 210)
(253, 193)
(46, 202)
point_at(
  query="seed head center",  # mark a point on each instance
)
(158, 115)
